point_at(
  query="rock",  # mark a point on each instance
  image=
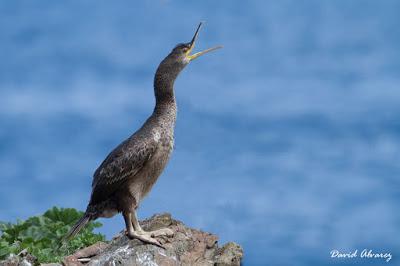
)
(187, 247)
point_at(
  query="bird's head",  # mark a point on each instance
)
(182, 55)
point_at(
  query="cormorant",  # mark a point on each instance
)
(131, 169)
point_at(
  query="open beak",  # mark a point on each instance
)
(192, 43)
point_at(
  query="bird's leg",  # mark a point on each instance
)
(133, 234)
(155, 233)
(135, 223)
(128, 224)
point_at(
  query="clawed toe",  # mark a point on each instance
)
(150, 240)
(144, 237)
(162, 232)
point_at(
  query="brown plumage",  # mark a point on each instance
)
(128, 173)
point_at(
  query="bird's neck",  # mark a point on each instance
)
(164, 93)
(164, 90)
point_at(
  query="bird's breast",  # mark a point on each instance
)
(144, 181)
(160, 158)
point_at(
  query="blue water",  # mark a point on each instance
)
(287, 142)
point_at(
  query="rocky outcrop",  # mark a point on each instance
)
(186, 247)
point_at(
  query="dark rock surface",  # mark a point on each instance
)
(187, 247)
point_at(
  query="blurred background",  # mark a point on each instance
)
(287, 140)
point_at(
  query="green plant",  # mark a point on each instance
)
(42, 235)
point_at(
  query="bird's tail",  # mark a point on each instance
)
(78, 226)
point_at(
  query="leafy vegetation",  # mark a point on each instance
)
(42, 235)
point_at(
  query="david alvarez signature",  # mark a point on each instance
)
(365, 253)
